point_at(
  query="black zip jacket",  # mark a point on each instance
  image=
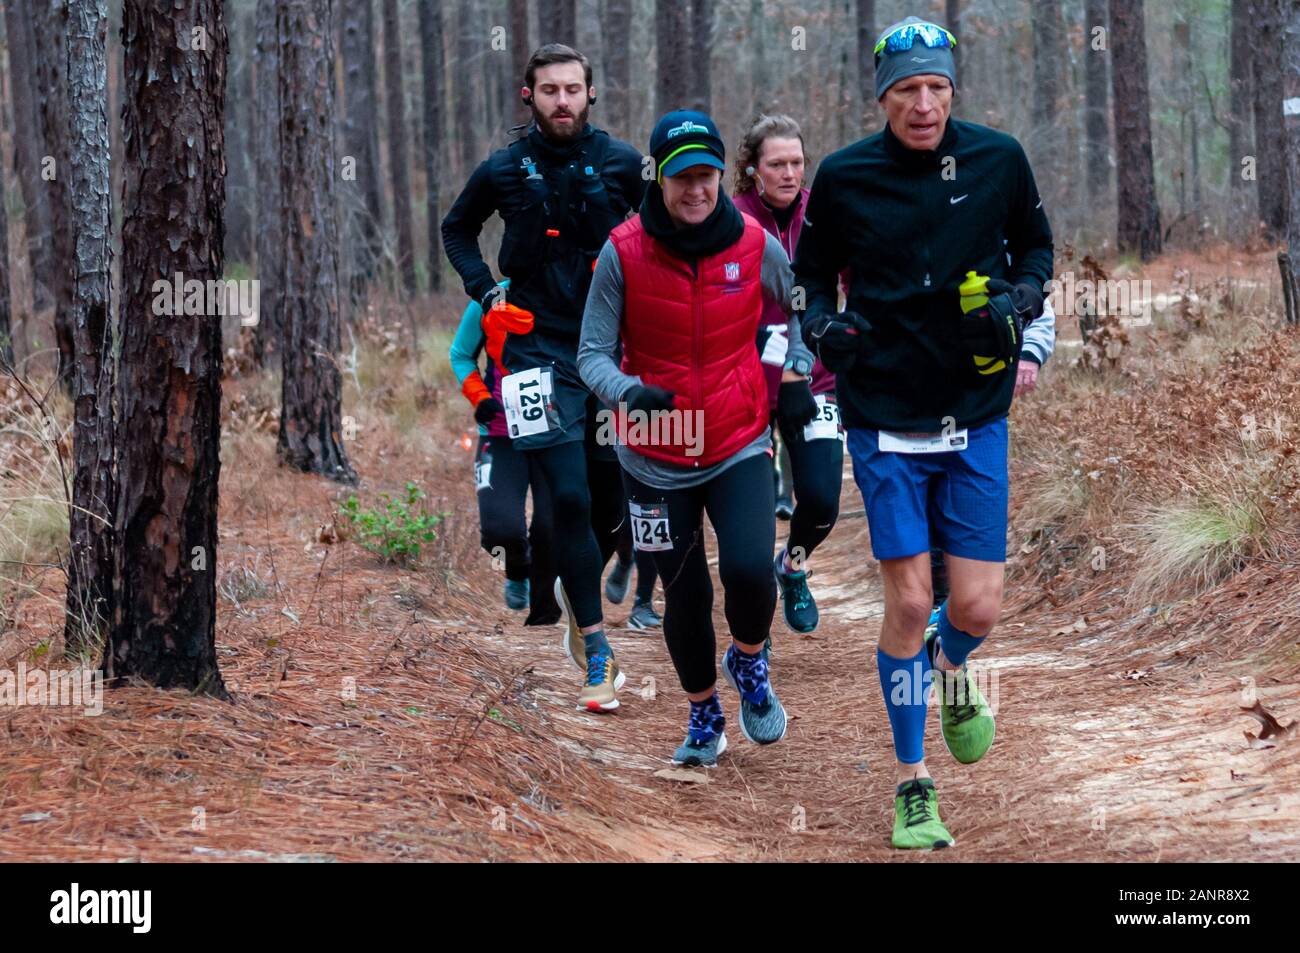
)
(556, 221)
(908, 225)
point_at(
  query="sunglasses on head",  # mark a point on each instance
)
(934, 37)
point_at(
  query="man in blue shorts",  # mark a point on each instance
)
(925, 357)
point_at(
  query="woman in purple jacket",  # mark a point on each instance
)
(769, 186)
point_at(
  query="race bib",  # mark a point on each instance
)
(777, 344)
(650, 527)
(826, 425)
(483, 474)
(922, 442)
(527, 398)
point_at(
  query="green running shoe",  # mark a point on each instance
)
(797, 601)
(916, 818)
(964, 714)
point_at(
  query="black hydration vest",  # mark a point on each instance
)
(561, 222)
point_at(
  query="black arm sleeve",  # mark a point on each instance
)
(1029, 236)
(461, 228)
(819, 258)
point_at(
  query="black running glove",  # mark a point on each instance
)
(994, 330)
(497, 293)
(836, 338)
(647, 398)
(1026, 300)
(486, 409)
(795, 404)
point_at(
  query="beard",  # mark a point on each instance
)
(562, 133)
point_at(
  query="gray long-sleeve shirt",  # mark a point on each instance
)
(599, 371)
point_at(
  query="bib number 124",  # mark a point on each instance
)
(650, 531)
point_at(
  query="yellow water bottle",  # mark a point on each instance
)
(974, 294)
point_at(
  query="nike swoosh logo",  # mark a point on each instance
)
(954, 201)
(922, 59)
(1040, 204)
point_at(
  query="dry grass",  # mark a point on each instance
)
(33, 497)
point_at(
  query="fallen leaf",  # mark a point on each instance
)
(34, 817)
(1137, 674)
(1078, 625)
(684, 775)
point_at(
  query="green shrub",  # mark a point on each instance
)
(396, 529)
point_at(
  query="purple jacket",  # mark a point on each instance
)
(823, 381)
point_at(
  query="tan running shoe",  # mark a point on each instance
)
(575, 647)
(598, 694)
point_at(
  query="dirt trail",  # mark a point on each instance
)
(1088, 764)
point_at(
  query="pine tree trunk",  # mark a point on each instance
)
(240, 244)
(6, 305)
(268, 335)
(520, 49)
(617, 27)
(1270, 140)
(866, 60)
(1047, 144)
(466, 92)
(1096, 107)
(1139, 214)
(1241, 100)
(90, 569)
(952, 20)
(1291, 129)
(431, 49)
(363, 208)
(701, 48)
(557, 21)
(311, 391)
(672, 66)
(398, 153)
(169, 394)
(29, 148)
(52, 60)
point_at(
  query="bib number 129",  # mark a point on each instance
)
(527, 400)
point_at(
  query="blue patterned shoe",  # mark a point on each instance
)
(762, 718)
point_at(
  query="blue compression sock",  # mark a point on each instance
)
(905, 685)
(955, 643)
(594, 643)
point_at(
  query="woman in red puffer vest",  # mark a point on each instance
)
(769, 186)
(682, 288)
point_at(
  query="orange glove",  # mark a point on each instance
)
(501, 319)
(474, 389)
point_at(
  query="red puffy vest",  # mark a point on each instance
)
(693, 333)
